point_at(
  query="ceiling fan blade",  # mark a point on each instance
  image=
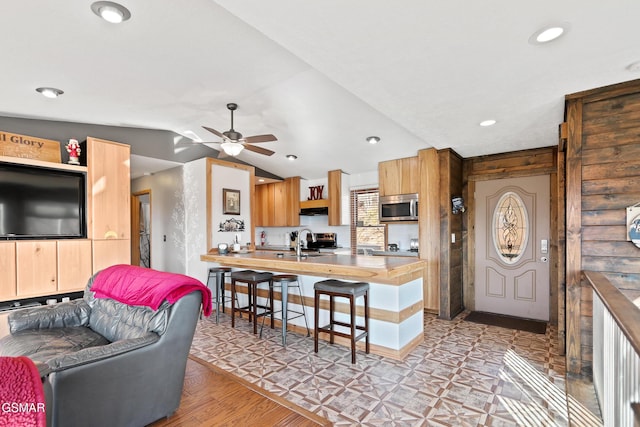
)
(259, 150)
(260, 138)
(215, 132)
(210, 144)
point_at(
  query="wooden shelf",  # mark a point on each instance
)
(320, 203)
(40, 163)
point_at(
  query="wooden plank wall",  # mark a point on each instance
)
(602, 179)
(451, 303)
(541, 161)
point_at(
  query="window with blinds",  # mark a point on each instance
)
(366, 230)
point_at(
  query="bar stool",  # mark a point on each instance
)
(252, 279)
(286, 282)
(350, 290)
(218, 274)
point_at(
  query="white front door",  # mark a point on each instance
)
(512, 247)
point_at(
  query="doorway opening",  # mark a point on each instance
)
(141, 229)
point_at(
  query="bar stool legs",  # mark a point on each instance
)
(285, 282)
(218, 273)
(351, 291)
(252, 279)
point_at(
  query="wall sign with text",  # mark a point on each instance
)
(29, 147)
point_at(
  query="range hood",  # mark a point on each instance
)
(314, 207)
(314, 211)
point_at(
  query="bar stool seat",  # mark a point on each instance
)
(350, 290)
(286, 282)
(218, 273)
(252, 279)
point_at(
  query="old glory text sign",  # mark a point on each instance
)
(29, 147)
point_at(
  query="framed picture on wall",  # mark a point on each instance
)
(230, 201)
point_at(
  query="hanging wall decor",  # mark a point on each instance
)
(230, 202)
(232, 225)
(633, 224)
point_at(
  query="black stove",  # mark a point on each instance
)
(323, 240)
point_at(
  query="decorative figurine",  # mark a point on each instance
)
(73, 148)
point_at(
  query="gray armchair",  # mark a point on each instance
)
(105, 363)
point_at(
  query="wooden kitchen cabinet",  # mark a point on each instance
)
(36, 267)
(292, 201)
(8, 288)
(74, 264)
(278, 204)
(109, 189)
(264, 205)
(339, 205)
(400, 176)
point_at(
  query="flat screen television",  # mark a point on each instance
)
(41, 203)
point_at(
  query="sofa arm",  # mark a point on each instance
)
(93, 354)
(65, 314)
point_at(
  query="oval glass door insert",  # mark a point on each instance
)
(510, 228)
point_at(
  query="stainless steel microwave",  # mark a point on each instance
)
(402, 207)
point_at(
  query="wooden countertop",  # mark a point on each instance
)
(377, 269)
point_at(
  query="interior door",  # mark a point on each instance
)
(512, 247)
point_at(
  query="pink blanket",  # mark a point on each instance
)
(21, 393)
(142, 286)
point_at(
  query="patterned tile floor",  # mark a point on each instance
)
(463, 374)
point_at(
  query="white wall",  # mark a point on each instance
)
(167, 218)
(195, 211)
(179, 209)
(233, 179)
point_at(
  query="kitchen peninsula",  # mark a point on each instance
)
(395, 295)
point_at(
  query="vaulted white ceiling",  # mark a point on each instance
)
(321, 75)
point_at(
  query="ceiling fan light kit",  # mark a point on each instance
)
(231, 148)
(233, 142)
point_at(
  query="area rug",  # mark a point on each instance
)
(535, 326)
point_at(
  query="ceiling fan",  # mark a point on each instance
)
(233, 142)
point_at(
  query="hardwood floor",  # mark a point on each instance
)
(214, 397)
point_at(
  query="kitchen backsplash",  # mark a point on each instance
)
(317, 224)
(400, 234)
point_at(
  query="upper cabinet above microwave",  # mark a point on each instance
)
(402, 207)
(400, 176)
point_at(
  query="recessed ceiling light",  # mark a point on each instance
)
(49, 92)
(634, 67)
(110, 11)
(548, 33)
(487, 123)
(291, 157)
(373, 139)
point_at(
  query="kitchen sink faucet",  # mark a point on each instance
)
(299, 243)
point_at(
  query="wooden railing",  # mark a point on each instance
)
(616, 351)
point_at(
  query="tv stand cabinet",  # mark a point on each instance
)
(35, 268)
